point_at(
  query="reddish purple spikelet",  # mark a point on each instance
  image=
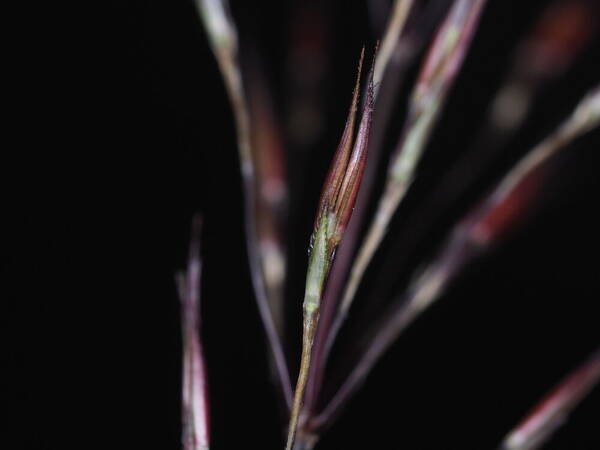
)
(337, 170)
(449, 48)
(195, 414)
(552, 410)
(348, 165)
(356, 167)
(335, 207)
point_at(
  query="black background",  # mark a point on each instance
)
(147, 140)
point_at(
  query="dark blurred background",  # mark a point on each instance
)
(151, 142)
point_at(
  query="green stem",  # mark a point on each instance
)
(318, 267)
(310, 326)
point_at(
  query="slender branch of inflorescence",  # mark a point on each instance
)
(481, 228)
(224, 42)
(392, 34)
